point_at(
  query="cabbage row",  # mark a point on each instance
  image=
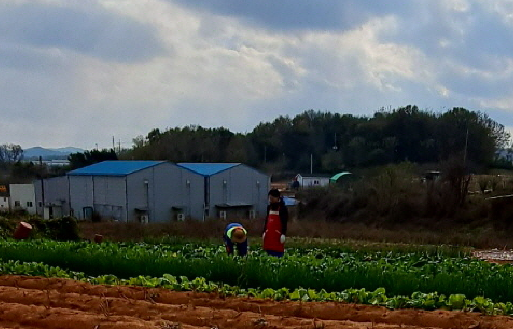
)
(426, 301)
(400, 274)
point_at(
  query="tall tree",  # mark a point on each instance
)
(10, 154)
(471, 134)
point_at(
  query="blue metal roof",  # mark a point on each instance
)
(207, 169)
(113, 168)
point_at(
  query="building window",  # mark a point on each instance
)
(5, 199)
(29, 204)
(16, 203)
(40, 204)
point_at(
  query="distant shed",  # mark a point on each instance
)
(312, 180)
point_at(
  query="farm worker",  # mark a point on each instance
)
(235, 234)
(275, 227)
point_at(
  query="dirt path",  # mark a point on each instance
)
(35, 302)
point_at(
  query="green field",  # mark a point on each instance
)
(395, 276)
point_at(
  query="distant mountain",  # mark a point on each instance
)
(49, 154)
(68, 150)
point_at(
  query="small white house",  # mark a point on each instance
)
(22, 196)
(314, 180)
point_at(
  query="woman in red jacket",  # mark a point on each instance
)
(275, 227)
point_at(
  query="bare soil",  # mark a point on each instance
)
(36, 302)
(495, 255)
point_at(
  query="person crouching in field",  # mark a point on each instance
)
(275, 227)
(235, 234)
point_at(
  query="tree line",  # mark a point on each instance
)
(331, 142)
(323, 141)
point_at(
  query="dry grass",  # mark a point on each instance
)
(485, 236)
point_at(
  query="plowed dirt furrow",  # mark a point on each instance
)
(35, 303)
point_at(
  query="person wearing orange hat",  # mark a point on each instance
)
(236, 234)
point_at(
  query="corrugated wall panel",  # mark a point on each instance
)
(167, 188)
(110, 197)
(243, 184)
(168, 191)
(194, 193)
(56, 191)
(81, 194)
(138, 196)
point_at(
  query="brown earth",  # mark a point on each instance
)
(36, 302)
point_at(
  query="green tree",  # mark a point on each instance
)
(470, 134)
(79, 160)
(333, 139)
(332, 162)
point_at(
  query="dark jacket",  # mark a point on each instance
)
(284, 215)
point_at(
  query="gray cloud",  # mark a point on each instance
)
(15, 56)
(76, 74)
(86, 30)
(470, 36)
(299, 15)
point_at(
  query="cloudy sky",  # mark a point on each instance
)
(78, 72)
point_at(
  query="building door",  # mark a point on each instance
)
(88, 212)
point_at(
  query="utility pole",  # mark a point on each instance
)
(311, 163)
(113, 144)
(465, 152)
